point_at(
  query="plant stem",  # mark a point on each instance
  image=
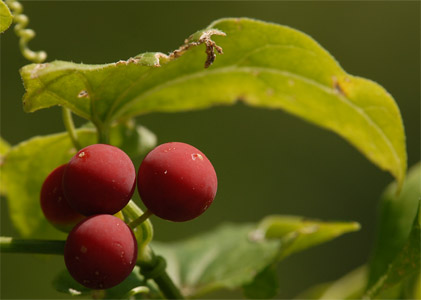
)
(70, 127)
(154, 267)
(167, 286)
(133, 224)
(14, 245)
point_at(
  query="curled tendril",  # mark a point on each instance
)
(24, 34)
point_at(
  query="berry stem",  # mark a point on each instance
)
(133, 224)
(167, 286)
(70, 127)
(16, 245)
(103, 133)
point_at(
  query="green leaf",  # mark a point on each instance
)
(234, 256)
(397, 213)
(24, 169)
(263, 65)
(27, 164)
(64, 283)
(6, 17)
(405, 264)
(349, 286)
(298, 233)
(132, 285)
(224, 258)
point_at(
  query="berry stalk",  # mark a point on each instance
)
(70, 127)
(133, 224)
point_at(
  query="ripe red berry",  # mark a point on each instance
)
(54, 205)
(176, 182)
(99, 179)
(100, 252)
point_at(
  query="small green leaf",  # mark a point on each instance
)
(397, 213)
(27, 164)
(223, 258)
(314, 292)
(235, 256)
(64, 283)
(349, 286)
(263, 65)
(6, 17)
(131, 286)
(405, 264)
(297, 233)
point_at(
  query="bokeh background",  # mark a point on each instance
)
(267, 161)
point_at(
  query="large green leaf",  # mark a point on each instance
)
(397, 213)
(6, 17)
(234, 255)
(26, 165)
(263, 65)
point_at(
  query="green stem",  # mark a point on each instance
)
(154, 267)
(70, 127)
(103, 133)
(167, 286)
(14, 245)
(144, 231)
(136, 222)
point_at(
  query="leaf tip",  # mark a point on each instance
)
(355, 226)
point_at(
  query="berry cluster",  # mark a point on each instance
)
(175, 182)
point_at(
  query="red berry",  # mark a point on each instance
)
(54, 205)
(99, 179)
(177, 182)
(100, 252)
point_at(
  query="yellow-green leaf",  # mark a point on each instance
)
(263, 65)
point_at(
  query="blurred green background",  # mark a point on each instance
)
(267, 162)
